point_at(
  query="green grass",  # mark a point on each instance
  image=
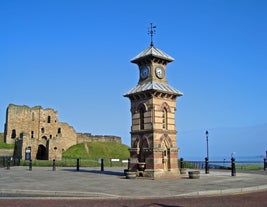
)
(3, 145)
(1, 137)
(96, 150)
(249, 167)
(88, 154)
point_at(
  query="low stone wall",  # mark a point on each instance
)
(88, 137)
(6, 152)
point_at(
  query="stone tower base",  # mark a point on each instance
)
(158, 174)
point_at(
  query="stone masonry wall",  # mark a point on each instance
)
(39, 130)
(87, 137)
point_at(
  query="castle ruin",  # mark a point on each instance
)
(37, 133)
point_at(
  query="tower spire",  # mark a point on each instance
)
(151, 32)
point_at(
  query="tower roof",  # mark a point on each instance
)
(152, 85)
(153, 52)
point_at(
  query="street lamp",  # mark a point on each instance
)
(207, 158)
(207, 139)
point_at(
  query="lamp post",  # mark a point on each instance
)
(207, 139)
(207, 158)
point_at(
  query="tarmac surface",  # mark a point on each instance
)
(91, 183)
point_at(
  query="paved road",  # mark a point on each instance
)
(40, 187)
(258, 199)
(111, 183)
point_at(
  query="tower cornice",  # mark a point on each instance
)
(151, 88)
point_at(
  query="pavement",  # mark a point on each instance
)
(111, 183)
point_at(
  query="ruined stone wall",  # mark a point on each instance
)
(87, 137)
(38, 129)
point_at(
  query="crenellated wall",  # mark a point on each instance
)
(87, 137)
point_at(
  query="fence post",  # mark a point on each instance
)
(233, 170)
(30, 165)
(78, 164)
(8, 163)
(265, 164)
(182, 163)
(129, 163)
(54, 165)
(102, 164)
(206, 165)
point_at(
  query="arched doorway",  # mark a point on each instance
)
(141, 145)
(42, 153)
(166, 155)
(165, 146)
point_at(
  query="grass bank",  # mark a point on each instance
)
(88, 155)
(3, 145)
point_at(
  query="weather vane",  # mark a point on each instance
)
(151, 32)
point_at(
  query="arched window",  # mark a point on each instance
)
(142, 118)
(164, 118)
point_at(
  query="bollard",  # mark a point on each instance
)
(78, 164)
(206, 165)
(233, 167)
(265, 164)
(181, 163)
(129, 163)
(54, 165)
(30, 165)
(102, 164)
(8, 163)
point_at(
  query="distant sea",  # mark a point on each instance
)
(257, 158)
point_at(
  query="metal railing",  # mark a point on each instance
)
(225, 164)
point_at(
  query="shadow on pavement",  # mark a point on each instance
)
(96, 172)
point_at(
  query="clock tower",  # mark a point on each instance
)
(153, 106)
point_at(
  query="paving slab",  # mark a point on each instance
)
(111, 183)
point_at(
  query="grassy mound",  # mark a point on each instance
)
(88, 153)
(96, 150)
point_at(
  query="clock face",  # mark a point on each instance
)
(159, 72)
(144, 72)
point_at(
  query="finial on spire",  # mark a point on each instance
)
(151, 32)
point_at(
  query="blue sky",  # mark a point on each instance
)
(74, 56)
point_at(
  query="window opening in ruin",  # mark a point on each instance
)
(49, 119)
(42, 130)
(44, 138)
(50, 136)
(13, 134)
(59, 130)
(32, 116)
(32, 134)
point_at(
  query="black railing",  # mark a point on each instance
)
(224, 164)
(8, 161)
